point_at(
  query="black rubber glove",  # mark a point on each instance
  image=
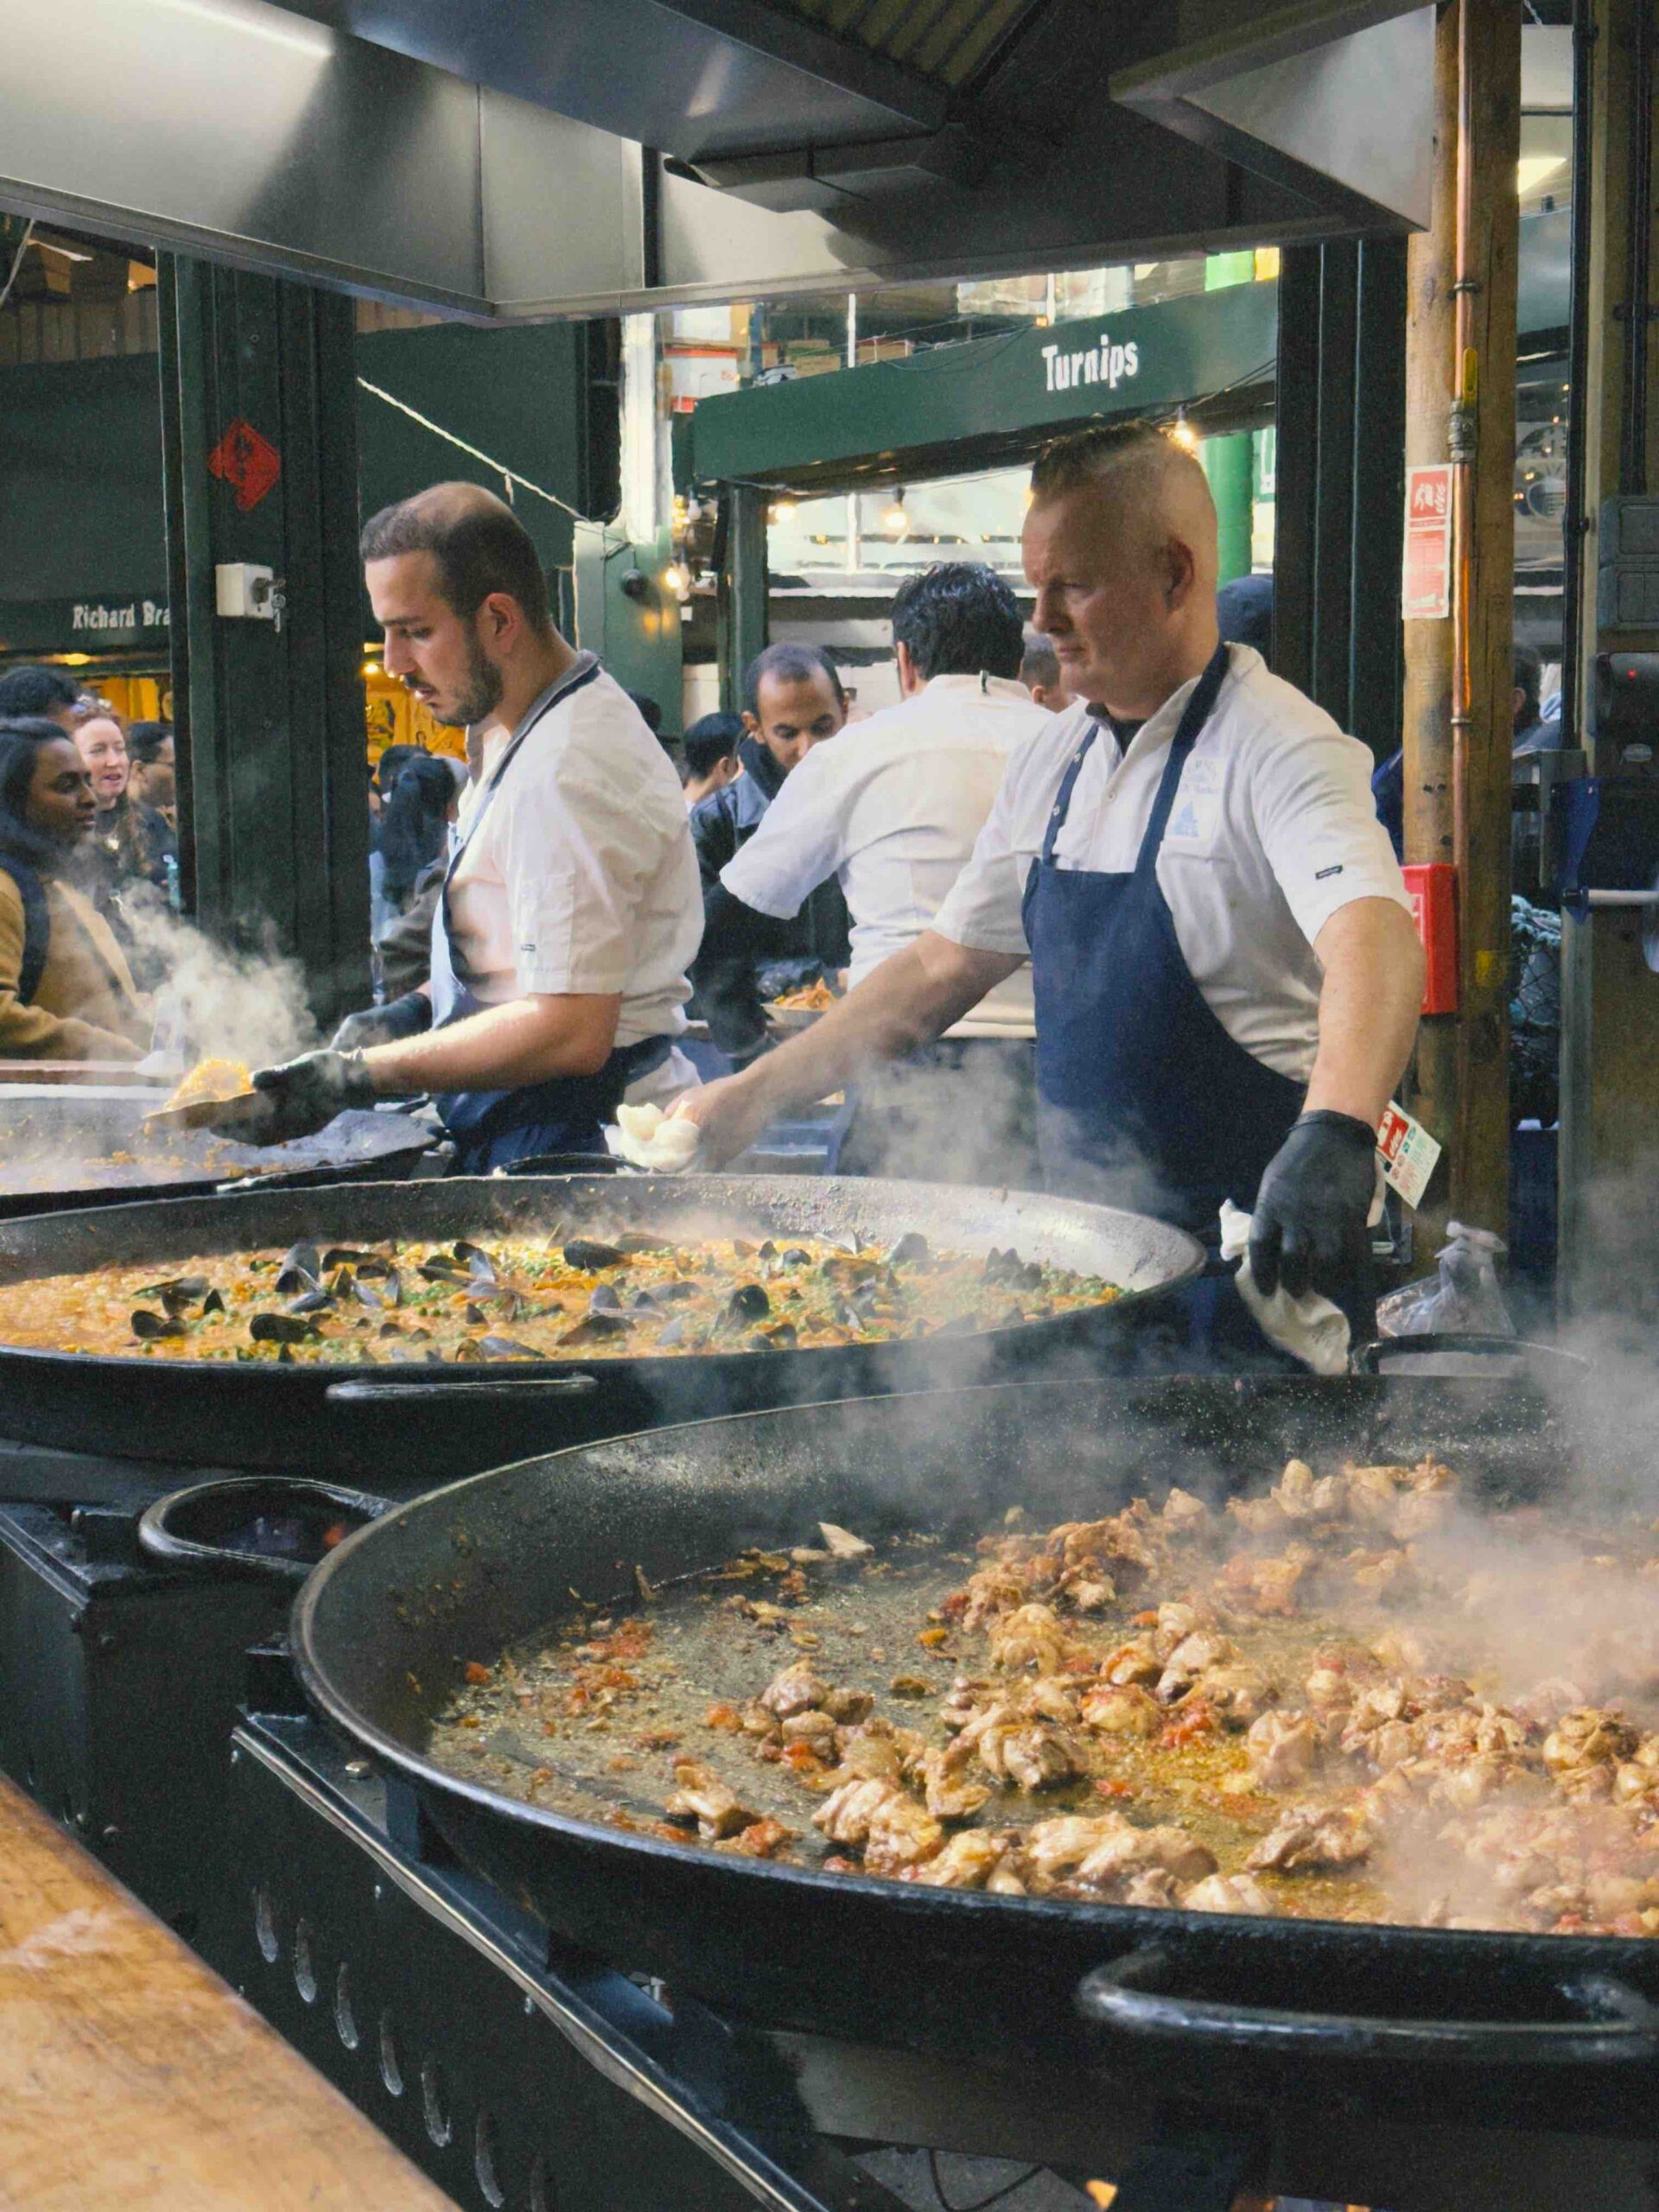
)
(306, 1094)
(1309, 1227)
(384, 1025)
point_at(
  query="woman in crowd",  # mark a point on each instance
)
(66, 990)
(414, 825)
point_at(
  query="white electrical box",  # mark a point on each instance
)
(243, 589)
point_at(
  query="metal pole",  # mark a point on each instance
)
(854, 550)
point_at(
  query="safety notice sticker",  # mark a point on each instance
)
(1426, 587)
(1409, 1154)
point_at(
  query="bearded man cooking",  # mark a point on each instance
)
(1225, 971)
(571, 907)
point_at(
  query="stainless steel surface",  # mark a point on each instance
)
(487, 160)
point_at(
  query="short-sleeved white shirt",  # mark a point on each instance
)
(1272, 831)
(892, 807)
(581, 877)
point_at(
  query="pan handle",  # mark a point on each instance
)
(245, 1496)
(1132, 1997)
(425, 1386)
(1382, 1352)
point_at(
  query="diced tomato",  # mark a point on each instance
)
(477, 1674)
(1144, 1620)
(1195, 1720)
(1114, 1789)
(723, 1716)
(802, 1758)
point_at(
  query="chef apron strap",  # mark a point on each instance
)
(1196, 713)
(1062, 805)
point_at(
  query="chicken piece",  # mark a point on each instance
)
(966, 1699)
(1134, 1661)
(968, 1861)
(1265, 1586)
(868, 1753)
(815, 1728)
(1309, 1835)
(1185, 1515)
(848, 1708)
(1227, 1893)
(901, 1833)
(1116, 1859)
(1052, 1849)
(1033, 1636)
(1237, 1694)
(1008, 1880)
(1091, 1594)
(765, 1839)
(1030, 1754)
(798, 1689)
(1638, 1777)
(704, 1798)
(950, 1796)
(1403, 1650)
(1329, 1688)
(1282, 1748)
(1204, 1648)
(1127, 1710)
(1383, 1575)
(846, 1813)
(1292, 1493)
(1153, 1886)
(1178, 1618)
(1050, 1698)
(1589, 1736)
(1258, 1517)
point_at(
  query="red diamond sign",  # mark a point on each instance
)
(247, 462)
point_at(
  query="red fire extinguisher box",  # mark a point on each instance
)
(1433, 888)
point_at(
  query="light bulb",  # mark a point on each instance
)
(894, 520)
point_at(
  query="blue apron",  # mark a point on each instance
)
(491, 1128)
(1144, 1100)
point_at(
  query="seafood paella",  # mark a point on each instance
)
(539, 1298)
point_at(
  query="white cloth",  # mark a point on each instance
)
(646, 1137)
(892, 807)
(1309, 1328)
(581, 877)
(1273, 831)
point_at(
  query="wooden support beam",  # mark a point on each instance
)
(1458, 720)
(1610, 1000)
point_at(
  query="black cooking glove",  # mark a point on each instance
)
(306, 1094)
(384, 1025)
(1309, 1227)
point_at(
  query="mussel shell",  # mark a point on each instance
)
(373, 1264)
(213, 1303)
(910, 1249)
(365, 1294)
(748, 1302)
(280, 1329)
(467, 1352)
(176, 1287)
(678, 1288)
(593, 1327)
(783, 1338)
(442, 1271)
(300, 1260)
(583, 1254)
(605, 1300)
(845, 1240)
(146, 1326)
(795, 1255)
(504, 1348)
(388, 1329)
(673, 1334)
(344, 1281)
(315, 1301)
(767, 1251)
(643, 1302)
(640, 1240)
(475, 1259)
(473, 1315)
(344, 1256)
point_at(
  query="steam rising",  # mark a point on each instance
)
(237, 1006)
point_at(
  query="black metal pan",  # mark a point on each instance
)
(397, 1429)
(1518, 2030)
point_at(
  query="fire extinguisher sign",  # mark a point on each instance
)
(1426, 587)
(1408, 1152)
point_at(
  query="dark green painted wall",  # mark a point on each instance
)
(81, 458)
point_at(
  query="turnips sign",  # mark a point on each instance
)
(1101, 362)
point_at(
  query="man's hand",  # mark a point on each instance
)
(1308, 1229)
(729, 1114)
(382, 1024)
(305, 1095)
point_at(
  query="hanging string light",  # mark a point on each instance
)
(894, 520)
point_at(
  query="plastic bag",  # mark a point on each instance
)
(1462, 1296)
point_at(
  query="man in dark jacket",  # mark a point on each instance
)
(792, 700)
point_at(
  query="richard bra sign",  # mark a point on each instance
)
(1066, 369)
(89, 625)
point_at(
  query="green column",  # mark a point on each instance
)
(741, 607)
(273, 804)
(1229, 465)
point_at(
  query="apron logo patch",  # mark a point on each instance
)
(1320, 874)
(1197, 804)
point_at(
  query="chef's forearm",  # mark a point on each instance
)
(912, 997)
(529, 1039)
(1368, 1005)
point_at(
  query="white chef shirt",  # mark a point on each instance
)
(1272, 831)
(891, 806)
(581, 877)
